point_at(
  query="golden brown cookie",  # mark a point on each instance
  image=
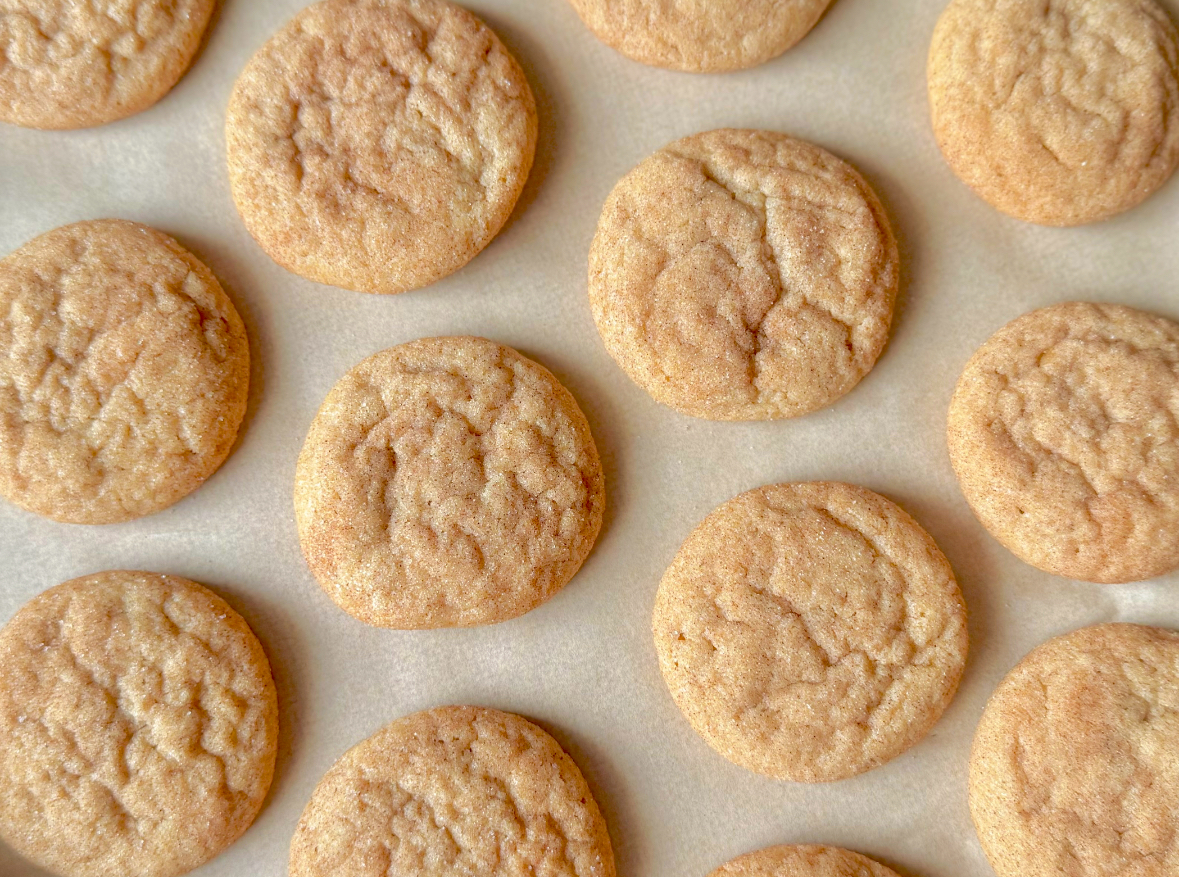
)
(810, 631)
(701, 36)
(123, 373)
(802, 861)
(138, 726)
(1058, 112)
(453, 790)
(379, 145)
(743, 275)
(447, 482)
(71, 64)
(1063, 435)
(1073, 769)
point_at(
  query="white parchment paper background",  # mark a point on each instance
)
(583, 665)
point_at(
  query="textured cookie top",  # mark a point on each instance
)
(810, 631)
(802, 861)
(453, 790)
(1058, 112)
(743, 275)
(138, 726)
(447, 482)
(701, 35)
(1063, 432)
(378, 145)
(123, 373)
(69, 64)
(1073, 769)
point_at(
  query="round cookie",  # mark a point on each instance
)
(123, 373)
(1063, 434)
(743, 275)
(1058, 113)
(65, 64)
(1073, 767)
(714, 36)
(379, 145)
(447, 482)
(453, 790)
(810, 631)
(804, 860)
(138, 726)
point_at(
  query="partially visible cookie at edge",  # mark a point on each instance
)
(1063, 432)
(802, 860)
(447, 482)
(743, 275)
(1073, 766)
(714, 37)
(124, 371)
(138, 726)
(456, 790)
(1058, 113)
(379, 145)
(810, 631)
(74, 65)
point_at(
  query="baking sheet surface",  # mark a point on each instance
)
(583, 665)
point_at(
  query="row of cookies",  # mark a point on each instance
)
(140, 725)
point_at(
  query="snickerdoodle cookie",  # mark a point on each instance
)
(1063, 433)
(1058, 112)
(806, 860)
(123, 373)
(138, 726)
(447, 482)
(810, 631)
(67, 64)
(743, 275)
(1073, 769)
(379, 145)
(453, 790)
(701, 36)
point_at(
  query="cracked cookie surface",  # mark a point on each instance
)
(453, 790)
(1063, 433)
(743, 275)
(803, 860)
(447, 482)
(124, 369)
(701, 36)
(66, 64)
(379, 145)
(1073, 767)
(810, 631)
(138, 726)
(1058, 112)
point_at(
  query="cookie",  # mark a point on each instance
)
(1058, 113)
(712, 37)
(447, 482)
(453, 790)
(1063, 435)
(66, 64)
(802, 861)
(743, 275)
(123, 373)
(810, 631)
(1073, 767)
(379, 145)
(138, 726)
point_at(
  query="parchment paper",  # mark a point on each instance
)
(583, 665)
